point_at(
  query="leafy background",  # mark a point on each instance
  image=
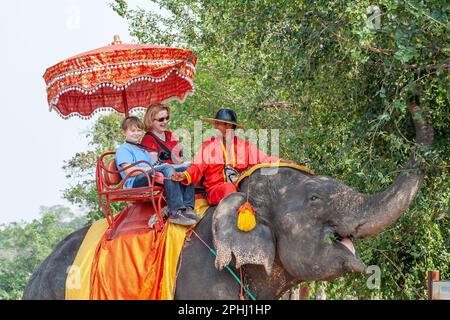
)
(337, 90)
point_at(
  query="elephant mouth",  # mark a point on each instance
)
(333, 237)
(352, 259)
(347, 242)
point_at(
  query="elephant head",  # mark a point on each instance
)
(307, 221)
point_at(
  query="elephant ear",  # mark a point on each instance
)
(254, 247)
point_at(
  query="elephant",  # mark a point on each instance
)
(305, 225)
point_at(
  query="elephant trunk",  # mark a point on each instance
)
(379, 211)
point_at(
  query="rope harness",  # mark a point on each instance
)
(239, 280)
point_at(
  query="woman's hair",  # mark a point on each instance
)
(131, 121)
(150, 114)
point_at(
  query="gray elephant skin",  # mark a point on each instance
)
(297, 214)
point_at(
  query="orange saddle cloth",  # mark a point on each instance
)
(137, 264)
(130, 266)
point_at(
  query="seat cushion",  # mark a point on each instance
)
(112, 178)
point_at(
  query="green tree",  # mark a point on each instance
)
(23, 246)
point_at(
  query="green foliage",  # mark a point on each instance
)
(23, 246)
(337, 89)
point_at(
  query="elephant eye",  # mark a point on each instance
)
(314, 198)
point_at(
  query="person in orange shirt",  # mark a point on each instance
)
(222, 158)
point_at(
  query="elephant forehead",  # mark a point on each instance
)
(322, 182)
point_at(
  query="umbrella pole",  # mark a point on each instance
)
(125, 102)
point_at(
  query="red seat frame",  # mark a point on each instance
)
(117, 193)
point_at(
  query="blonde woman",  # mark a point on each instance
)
(163, 146)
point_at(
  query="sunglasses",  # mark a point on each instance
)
(162, 119)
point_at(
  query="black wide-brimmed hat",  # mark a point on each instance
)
(225, 116)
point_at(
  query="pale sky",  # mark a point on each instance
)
(35, 142)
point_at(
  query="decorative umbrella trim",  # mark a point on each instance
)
(73, 114)
(120, 65)
(55, 100)
(111, 109)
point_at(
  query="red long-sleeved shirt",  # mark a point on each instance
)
(212, 157)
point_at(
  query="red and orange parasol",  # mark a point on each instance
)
(120, 77)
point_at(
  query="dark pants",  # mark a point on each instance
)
(178, 196)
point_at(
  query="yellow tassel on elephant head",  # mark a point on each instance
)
(246, 218)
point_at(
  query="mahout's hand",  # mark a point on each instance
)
(178, 176)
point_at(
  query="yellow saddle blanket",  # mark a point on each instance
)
(134, 266)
